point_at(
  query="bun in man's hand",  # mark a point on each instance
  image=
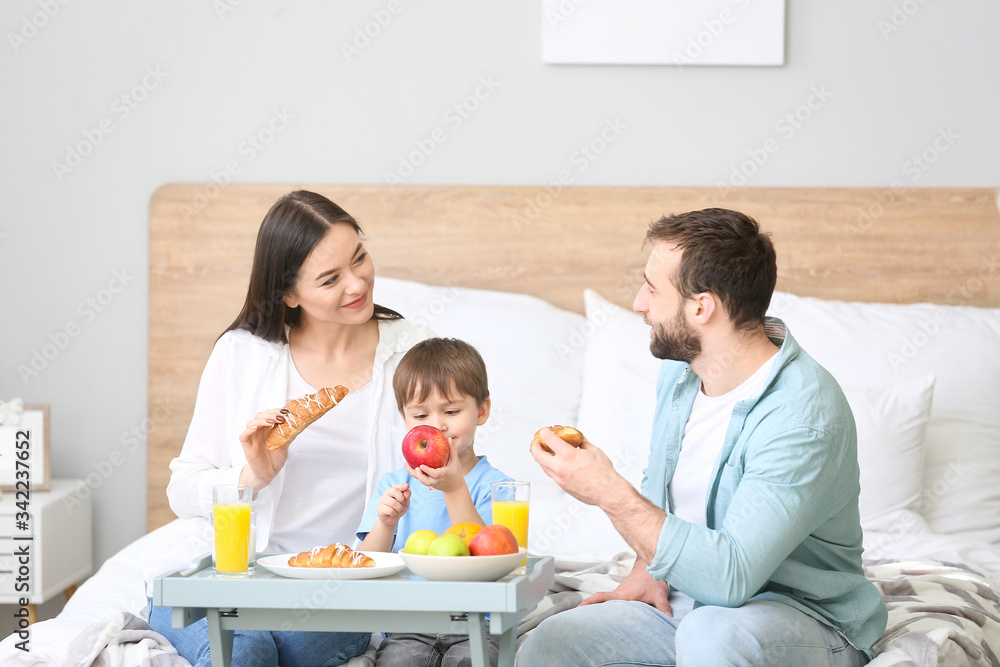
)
(568, 434)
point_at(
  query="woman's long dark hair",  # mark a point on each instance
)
(291, 229)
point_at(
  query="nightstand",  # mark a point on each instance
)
(54, 552)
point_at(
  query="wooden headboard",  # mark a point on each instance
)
(881, 245)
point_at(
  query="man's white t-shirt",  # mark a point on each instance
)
(704, 435)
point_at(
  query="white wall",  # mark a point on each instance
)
(208, 80)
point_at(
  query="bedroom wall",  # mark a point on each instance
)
(105, 101)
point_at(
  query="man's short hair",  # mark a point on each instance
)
(447, 364)
(726, 253)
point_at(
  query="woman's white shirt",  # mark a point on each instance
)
(243, 376)
(332, 454)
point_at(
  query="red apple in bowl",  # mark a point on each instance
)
(493, 540)
(426, 445)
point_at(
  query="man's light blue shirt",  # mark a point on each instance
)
(782, 506)
(427, 507)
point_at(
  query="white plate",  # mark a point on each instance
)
(385, 564)
(463, 568)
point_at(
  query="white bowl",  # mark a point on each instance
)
(463, 568)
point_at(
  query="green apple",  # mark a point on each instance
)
(419, 541)
(447, 545)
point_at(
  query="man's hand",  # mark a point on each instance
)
(585, 473)
(639, 586)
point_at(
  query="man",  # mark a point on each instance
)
(749, 504)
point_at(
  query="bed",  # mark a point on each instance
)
(895, 291)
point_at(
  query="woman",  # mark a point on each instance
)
(308, 322)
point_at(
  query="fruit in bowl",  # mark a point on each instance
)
(426, 445)
(448, 545)
(493, 540)
(420, 541)
(466, 531)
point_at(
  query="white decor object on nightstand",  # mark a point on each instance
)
(50, 550)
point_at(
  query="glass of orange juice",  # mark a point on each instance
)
(510, 508)
(231, 521)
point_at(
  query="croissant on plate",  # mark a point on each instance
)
(301, 412)
(335, 555)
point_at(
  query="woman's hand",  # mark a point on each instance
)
(263, 464)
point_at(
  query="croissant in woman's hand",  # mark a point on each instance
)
(301, 412)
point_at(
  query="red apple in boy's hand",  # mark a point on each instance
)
(426, 445)
(493, 540)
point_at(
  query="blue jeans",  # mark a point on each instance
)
(261, 648)
(634, 633)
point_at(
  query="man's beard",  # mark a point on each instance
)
(680, 343)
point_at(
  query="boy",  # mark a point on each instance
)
(440, 382)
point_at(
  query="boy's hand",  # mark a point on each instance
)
(447, 479)
(393, 504)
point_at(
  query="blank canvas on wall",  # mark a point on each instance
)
(663, 32)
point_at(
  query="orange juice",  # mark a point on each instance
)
(514, 515)
(232, 537)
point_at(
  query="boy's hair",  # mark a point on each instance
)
(726, 253)
(449, 364)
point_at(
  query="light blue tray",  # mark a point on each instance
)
(401, 602)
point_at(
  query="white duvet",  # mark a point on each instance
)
(930, 628)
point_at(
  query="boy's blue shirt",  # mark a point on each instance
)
(427, 507)
(782, 507)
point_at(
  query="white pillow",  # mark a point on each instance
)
(619, 399)
(535, 369)
(872, 344)
(891, 424)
